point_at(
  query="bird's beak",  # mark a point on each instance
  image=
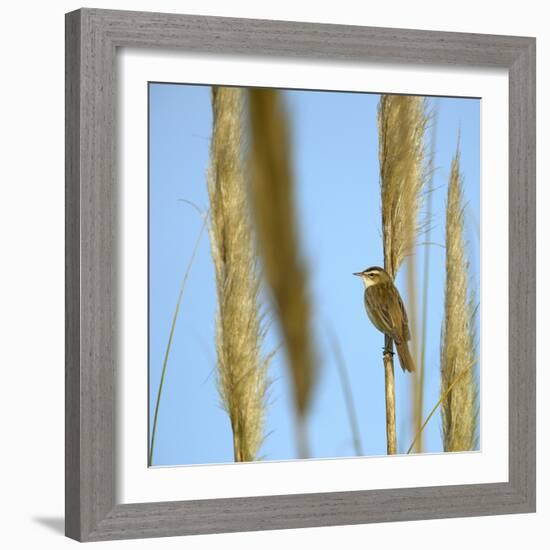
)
(358, 274)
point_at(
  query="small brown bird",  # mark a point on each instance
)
(387, 312)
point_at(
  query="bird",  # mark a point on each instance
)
(387, 313)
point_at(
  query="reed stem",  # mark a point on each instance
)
(417, 384)
(170, 337)
(302, 440)
(425, 284)
(391, 432)
(401, 124)
(348, 395)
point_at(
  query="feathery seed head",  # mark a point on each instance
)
(459, 410)
(402, 121)
(242, 371)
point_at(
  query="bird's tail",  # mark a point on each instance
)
(405, 357)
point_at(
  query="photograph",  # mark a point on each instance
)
(313, 274)
(270, 275)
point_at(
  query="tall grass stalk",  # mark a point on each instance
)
(348, 394)
(277, 230)
(241, 369)
(412, 311)
(419, 380)
(402, 121)
(459, 410)
(170, 338)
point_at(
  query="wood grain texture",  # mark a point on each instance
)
(92, 37)
(522, 274)
(72, 276)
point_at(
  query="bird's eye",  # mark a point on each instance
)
(371, 275)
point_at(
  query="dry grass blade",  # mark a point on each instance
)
(417, 386)
(242, 372)
(459, 377)
(348, 394)
(402, 122)
(459, 409)
(169, 344)
(272, 188)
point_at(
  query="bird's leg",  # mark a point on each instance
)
(388, 350)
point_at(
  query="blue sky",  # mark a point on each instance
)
(335, 150)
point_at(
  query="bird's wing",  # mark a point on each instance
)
(406, 333)
(398, 315)
(383, 311)
(387, 312)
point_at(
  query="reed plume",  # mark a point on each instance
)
(242, 371)
(402, 122)
(272, 187)
(459, 409)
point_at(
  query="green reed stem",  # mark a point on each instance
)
(348, 396)
(426, 282)
(170, 337)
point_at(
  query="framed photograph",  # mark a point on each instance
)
(300, 275)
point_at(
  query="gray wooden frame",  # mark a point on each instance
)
(92, 38)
